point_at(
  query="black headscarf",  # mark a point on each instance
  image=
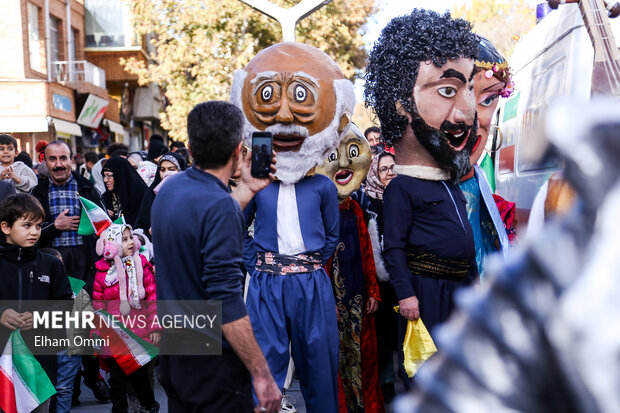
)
(128, 187)
(156, 149)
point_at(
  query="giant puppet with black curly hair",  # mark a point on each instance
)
(419, 81)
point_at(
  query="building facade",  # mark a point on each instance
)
(110, 38)
(48, 90)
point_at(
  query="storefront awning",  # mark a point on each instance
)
(114, 127)
(67, 127)
(17, 124)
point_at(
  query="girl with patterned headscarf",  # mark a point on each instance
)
(125, 286)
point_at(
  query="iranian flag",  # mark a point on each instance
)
(24, 385)
(93, 219)
(128, 349)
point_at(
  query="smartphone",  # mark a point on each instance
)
(261, 154)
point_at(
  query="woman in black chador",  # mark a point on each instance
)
(124, 189)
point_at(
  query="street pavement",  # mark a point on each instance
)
(91, 405)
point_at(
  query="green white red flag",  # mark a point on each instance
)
(93, 220)
(24, 385)
(128, 349)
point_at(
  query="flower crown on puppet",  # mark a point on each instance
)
(110, 247)
(493, 63)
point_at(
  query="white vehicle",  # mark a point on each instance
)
(555, 60)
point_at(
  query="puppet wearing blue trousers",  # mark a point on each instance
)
(299, 94)
(296, 306)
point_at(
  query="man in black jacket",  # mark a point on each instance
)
(59, 196)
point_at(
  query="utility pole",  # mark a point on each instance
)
(288, 18)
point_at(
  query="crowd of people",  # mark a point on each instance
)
(395, 217)
(40, 206)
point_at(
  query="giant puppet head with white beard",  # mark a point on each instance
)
(298, 93)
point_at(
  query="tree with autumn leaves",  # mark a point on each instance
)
(198, 44)
(503, 22)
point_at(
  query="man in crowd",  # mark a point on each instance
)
(58, 194)
(176, 145)
(90, 159)
(201, 259)
(419, 82)
(372, 135)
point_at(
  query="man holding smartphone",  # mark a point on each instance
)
(203, 262)
(297, 93)
(261, 154)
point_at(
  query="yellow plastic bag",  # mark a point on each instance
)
(417, 347)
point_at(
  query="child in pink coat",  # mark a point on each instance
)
(125, 286)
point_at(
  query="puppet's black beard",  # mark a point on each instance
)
(437, 144)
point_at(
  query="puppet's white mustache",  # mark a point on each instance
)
(279, 129)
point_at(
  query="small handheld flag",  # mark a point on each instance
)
(129, 350)
(93, 220)
(24, 385)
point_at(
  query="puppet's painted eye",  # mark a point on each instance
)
(488, 101)
(333, 157)
(447, 91)
(354, 151)
(301, 93)
(267, 93)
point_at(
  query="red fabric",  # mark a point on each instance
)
(371, 386)
(39, 148)
(8, 404)
(507, 211)
(108, 298)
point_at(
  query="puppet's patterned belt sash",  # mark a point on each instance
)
(279, 264)
(428, 264)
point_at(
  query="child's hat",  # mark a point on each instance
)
(114, 233)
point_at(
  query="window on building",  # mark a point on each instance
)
(73, 44)
(108, 24)
(55, 33)
(34, 41)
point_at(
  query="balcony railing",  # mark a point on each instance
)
(79, 71)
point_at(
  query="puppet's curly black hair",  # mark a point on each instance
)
(395, 59)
